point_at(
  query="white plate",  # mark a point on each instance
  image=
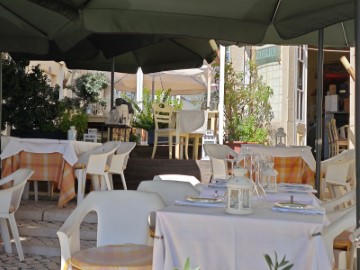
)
(293, 205)
(203, 200)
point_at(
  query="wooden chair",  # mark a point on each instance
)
(341, 142)
(163, 117)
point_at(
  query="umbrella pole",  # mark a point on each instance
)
(1, 86)
(319, 95)
(112, 83)
(357, 115)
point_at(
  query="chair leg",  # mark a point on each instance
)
(25, 195)
(123, 180)
(105, 178)
(5, 235)
(111, 180)
(15, 233)
(187, 146)
(95, 181)
(155, 145)
(170, 139)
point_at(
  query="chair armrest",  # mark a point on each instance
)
(332, 204)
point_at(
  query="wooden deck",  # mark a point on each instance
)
(142, 167)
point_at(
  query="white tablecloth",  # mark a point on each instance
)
(214, 240)
(291, 151)
(189, 121)
(69, 149)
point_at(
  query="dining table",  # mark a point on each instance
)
(294, 164)
(191, 122)
(51, 160)
(213, 239)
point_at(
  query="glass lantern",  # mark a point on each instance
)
(239, 190)
(269, 179)
(280, 137)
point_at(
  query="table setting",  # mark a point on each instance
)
(236, 214)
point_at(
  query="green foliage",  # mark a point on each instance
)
(29, 103)
(144, 118)
(276, 265)
(247, 108)
(78, 119)
(87, 90)
(187, 266)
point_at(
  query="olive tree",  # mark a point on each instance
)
(247, 108)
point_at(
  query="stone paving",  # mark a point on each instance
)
(31, 262)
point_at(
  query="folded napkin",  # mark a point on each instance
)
(213, 192)
(300, 188)
(201, 204)
(311, 211)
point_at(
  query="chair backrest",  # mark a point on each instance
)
(169, 191)
(106, 147)
(119, 161)
(90, 137)
(219, 158)
(162, 115)
(97, 162)
(339, 171)
(10, 197)
(122, 215)
(178, 177)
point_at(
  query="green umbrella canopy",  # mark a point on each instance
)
(153, 53)
(27, 27)
(231, 20)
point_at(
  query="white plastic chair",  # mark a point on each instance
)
(344, 222)
(169, 191)
(10, 198)
(95, 163)
(122, 219)
(338, 176)
(220, 158)
(119, 161)
(178, 177)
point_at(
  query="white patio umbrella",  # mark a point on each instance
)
(181, 82)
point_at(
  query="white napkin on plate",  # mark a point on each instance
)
(311, 211)
(201, 204)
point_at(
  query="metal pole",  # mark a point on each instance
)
(357, 115)
(221, 95)
(1, 88)
(112, 84)
(319, 103)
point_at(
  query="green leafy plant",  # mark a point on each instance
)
(247, 107)
(187, 266)
(276, 265)
(87, 89)
(144, 118)
(29, 102)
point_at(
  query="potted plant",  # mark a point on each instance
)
(247, 107)
(144, 118)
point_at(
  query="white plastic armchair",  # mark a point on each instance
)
(335, 207)
(10, 198)
(95, 163)
(169, 191)
(221, 156)
(338, 175)
(178, 177)
(119, 161)
(122, 219)
(344, 222)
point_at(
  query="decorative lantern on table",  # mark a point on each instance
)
(280, 137)
(239, 190)
(269, 179)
